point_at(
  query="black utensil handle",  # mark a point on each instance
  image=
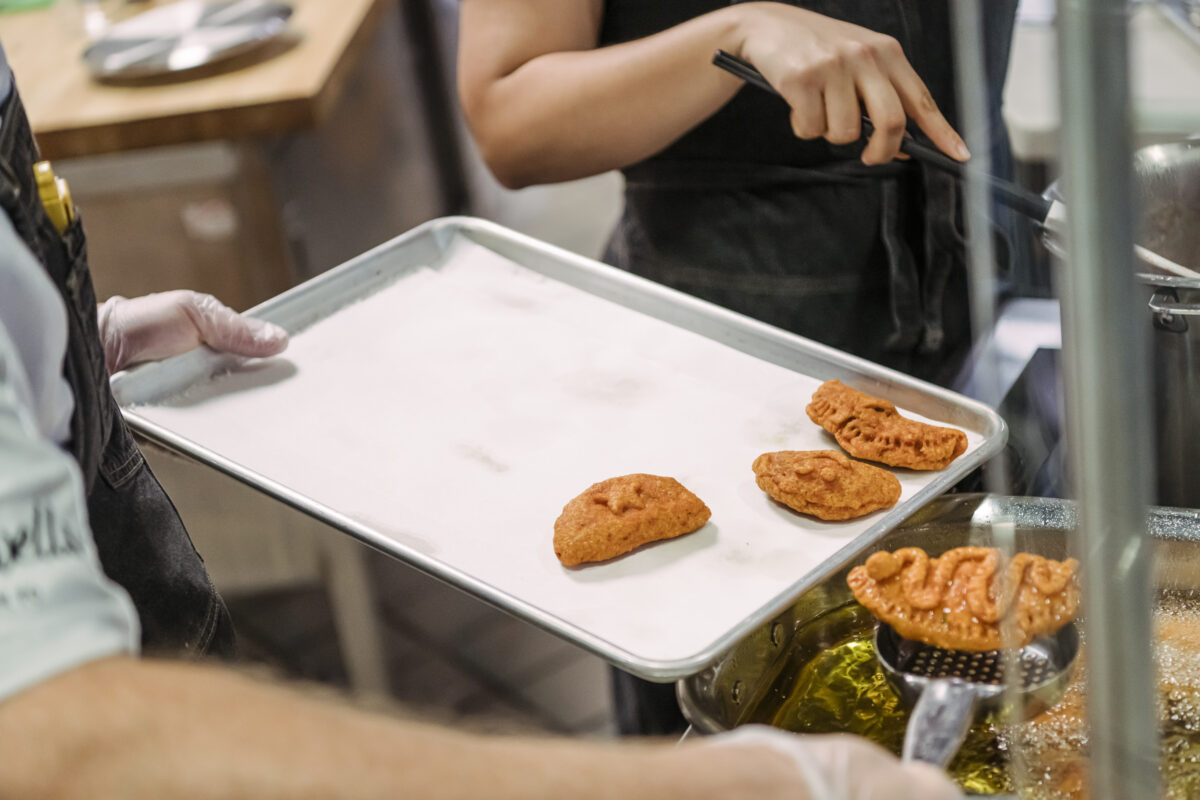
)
(1023, 201)
(1015, 197)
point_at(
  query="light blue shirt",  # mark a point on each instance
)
(36, 320)
(58, 610)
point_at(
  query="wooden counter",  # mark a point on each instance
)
(72, 115)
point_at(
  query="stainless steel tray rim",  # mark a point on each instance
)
(289, 310)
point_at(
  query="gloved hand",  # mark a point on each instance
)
(844, 767)
(166, 324)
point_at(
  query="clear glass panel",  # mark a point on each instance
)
(823, 673)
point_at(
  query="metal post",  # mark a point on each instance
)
(1107, 389)
(423, 40)
(972, 91)
(974, 106)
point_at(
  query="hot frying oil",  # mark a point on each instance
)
(839, 687)
(832, 683)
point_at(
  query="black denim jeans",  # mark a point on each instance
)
(141, 540)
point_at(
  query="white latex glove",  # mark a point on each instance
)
(165, 324)
(844, 767)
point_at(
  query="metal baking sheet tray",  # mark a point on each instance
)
(445, 394)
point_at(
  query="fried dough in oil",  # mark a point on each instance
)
(957, 600)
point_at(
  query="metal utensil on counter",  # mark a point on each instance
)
(948, 689)
(1047, 212)
(184, 35)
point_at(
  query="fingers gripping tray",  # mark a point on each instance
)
(445, 394)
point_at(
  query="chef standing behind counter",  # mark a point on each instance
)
(779, 213)
(788, 220)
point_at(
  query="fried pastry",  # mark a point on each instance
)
(871, 428)
(958, 600)
(825, 484)
(616, 515)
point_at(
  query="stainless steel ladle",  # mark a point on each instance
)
(948, 689)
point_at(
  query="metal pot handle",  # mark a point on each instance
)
(1170, 314)
(1168, 303)
(939, 722)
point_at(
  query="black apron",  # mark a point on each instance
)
(801, 234)
(140, 538)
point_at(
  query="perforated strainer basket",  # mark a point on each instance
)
(948, 689)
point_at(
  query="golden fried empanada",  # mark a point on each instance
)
(825, 484)
(958, 599)
(871, 428)
(615, 516)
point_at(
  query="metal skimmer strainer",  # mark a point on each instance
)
(949, 688)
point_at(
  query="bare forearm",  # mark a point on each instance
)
(133, 730)
(546, 105)
(566, 115)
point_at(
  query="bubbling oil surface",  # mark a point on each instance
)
(1177, 655)
(1053, 744)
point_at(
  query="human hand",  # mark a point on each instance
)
(841, 767)
(158, 326)
(829, 71)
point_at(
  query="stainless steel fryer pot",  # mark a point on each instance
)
(1168, 182)
(738, 688)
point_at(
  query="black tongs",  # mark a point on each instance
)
(1032, 205)
(1050, 214)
